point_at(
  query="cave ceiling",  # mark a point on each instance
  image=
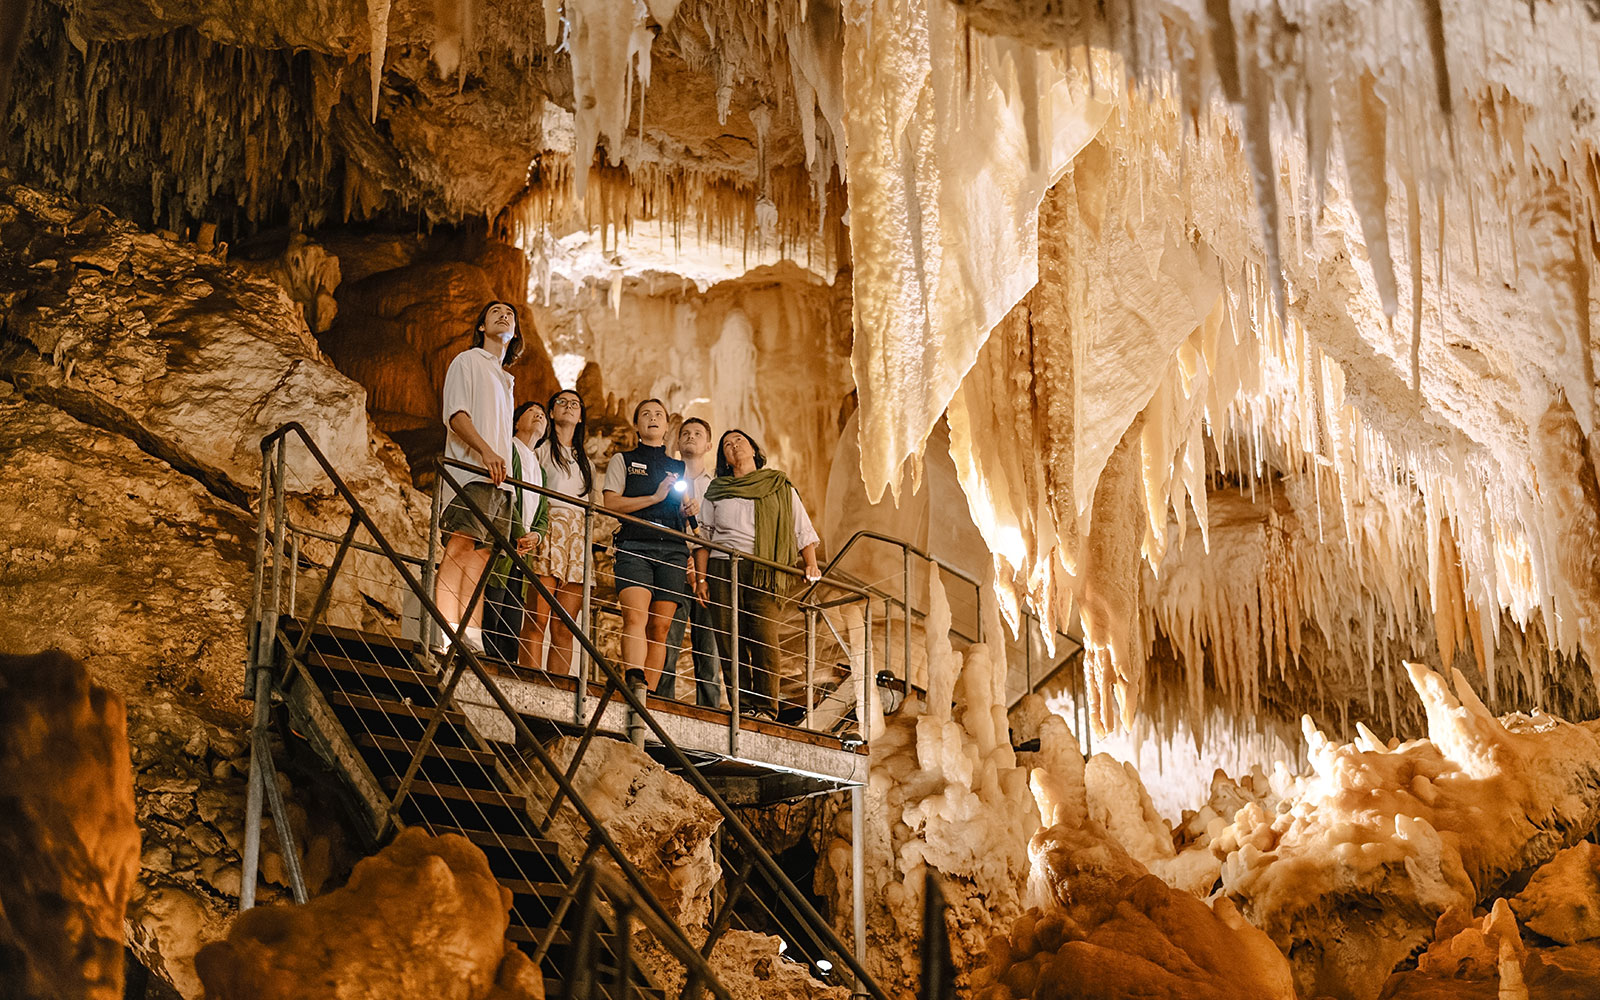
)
(1331, 258)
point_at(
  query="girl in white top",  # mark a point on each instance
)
(561, 560)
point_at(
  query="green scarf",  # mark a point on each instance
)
(770, 489)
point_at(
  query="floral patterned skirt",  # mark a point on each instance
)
(561, 553)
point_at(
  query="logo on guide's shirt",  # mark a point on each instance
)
(638, 469)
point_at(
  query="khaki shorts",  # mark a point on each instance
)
(457, 519)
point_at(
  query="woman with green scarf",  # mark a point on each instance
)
(751, 508)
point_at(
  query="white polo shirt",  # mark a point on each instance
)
(476, 385)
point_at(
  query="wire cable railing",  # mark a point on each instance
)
(286, 639)
(751, 634)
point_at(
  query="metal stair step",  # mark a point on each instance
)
(390, 744)
(484, 838)
(554, 988)
(543, 890)
(372, 647)
(531, 935)
(446, 765)
(317, 660)
(482, 796)
(394, 717)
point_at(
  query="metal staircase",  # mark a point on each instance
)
(381, 709)
(384, 694)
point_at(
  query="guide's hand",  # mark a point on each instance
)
(665, 488)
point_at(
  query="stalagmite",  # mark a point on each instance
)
(1568, 486)
(1409, 831)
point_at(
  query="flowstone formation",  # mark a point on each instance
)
(69, 843)
(422, 917)
(944, 793)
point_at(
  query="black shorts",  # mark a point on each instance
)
(662, 570)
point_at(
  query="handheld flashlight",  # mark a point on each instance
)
(681, 486)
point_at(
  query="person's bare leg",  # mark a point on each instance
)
(570, 597)
(475, 569)
(450, 592)
(656, 628)
(635, 603)
(535, 620)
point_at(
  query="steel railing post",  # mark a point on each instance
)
(294, 567)
(868, 681)
(811, 664)
(259, 584)
(733, 643)
(905, 607)
(858, 878)
(267, 777)
(260, 685)
(251, 855)
(888, 636)
(585, 619)
(279, 491)
(430, 568)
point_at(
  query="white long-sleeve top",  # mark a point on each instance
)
(731, 521)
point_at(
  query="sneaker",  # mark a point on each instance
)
(472, 638)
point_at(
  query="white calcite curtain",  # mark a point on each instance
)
(951, 139)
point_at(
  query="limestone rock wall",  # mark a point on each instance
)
(70, 845)
(656, 819)
(136, 376)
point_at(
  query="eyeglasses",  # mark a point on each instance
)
(566, 401)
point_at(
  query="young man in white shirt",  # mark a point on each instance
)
(478, 406)
(694, 444)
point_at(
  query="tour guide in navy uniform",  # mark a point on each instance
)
(651, 569)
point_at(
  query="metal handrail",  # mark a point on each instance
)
(786, 888)
(908, 550)
(328, 536)
(657, 529)
(831, 574)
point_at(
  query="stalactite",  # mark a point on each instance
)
(1362, 129)
(248, 161)
(378, 26)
